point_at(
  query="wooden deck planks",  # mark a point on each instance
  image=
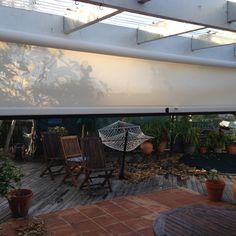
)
(53, 195)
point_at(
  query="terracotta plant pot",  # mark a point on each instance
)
(231, 149)
(234, 191)
(215, 189)
(162, 146)
(203, 150)
(20, 202)
(147, 148)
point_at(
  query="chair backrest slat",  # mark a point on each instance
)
(70, 146)
(51, 145)
(93, 152)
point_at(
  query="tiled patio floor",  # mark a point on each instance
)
(132, 215)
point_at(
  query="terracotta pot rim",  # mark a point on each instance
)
(215, 181)
(28, 192)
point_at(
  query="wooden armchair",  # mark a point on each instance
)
(52, 154)
(96, 172)
(73, 158)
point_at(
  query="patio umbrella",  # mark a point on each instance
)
(122, 136)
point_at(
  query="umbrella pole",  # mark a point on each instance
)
(122, 166)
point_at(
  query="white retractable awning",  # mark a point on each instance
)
(115, 56)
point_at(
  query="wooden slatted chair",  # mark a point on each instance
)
(73, 158)
(52, 154)
(96, 172)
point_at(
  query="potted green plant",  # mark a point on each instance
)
(203, 147)
(214, 185)
(217, 141)
(231, 143)
(177, 127)
(164, 126)
(10, 181)
(191, 138)
(159, 129)
(205, 144)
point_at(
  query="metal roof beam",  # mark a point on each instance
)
(143, 36)
(70, 25)
(143, 1)
(35, 28)
(209, 40)
(231, 11)
(211, 13)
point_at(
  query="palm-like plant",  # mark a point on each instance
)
(191, 136)
(159, 129)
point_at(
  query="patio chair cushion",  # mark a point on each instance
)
(75, 159)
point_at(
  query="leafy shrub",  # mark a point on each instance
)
(10, 177)
(62, 131)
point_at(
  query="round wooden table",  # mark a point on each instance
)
(196, 220)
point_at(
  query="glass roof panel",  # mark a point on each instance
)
(57, 7)
(126, 19)
(213, 35)
(151, 24)
(131, 20)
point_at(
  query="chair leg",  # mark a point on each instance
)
(86, 180)
(79, 172)
(48, 169)
(60, 170)
(50, 172)
(44, 172)
(74, 181)
(109, 184)
(107, 180)
(69, 174)
(66, 175)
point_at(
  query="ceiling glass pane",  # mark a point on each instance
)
(151, 24)
(221, 37)
(58, 7)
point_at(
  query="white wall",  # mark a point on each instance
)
(36, 80)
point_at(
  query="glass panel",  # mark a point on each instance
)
(58, 7)
(215, 36)
(151, 24)
(89, 12)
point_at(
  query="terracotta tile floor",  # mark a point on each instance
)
(131, 215)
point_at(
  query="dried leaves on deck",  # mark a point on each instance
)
(139, 171)
(35, 227)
